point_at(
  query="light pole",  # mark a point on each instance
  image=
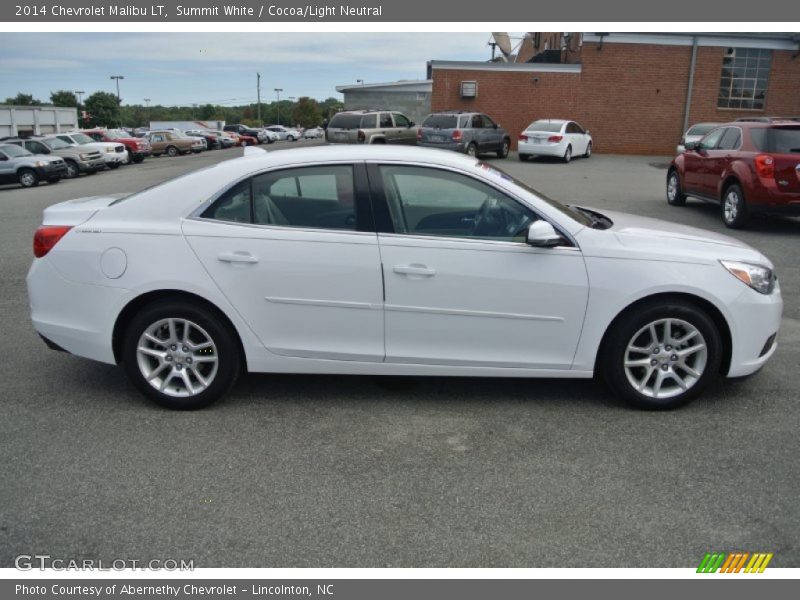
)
(79, 94)
(119, 100)
(278, 93)
(147, 101)
(258, 96)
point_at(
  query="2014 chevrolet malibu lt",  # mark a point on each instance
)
(392, 261)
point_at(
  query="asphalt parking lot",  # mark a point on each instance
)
(299, 471)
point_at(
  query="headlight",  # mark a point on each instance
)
(758, 277)
(84, 156)
(40, 163)
(110, 150)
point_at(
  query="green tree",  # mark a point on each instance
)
(330, 106)
(63, 98)
(306, 112)
(23, 100)
(103, 109)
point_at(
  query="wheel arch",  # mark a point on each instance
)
(729, 180)
(131, 308)
(701, 303)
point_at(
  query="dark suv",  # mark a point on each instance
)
(469, 132)
(747, 166)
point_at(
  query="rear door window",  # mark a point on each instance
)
(386, 120)
(401, 120)
(731, 139)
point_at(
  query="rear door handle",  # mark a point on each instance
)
(418, 270)
(237, 257)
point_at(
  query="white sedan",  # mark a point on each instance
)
(554, 137)
(392, 261)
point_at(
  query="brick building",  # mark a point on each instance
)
(636, 92)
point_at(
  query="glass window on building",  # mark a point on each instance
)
(745, 74)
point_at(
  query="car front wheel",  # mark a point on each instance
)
(660, 356)
(28, 178)
(675, 195)
(181, 355)
(568, 154)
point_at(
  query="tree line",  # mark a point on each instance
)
(103, 109)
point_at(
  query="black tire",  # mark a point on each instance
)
(734, 207)
(504, 148)
(27, 178)
(172, 151)
(567, 154)
(675, 195)
(138, 159)
(289, 138)
(471, 150)
(114, 165)
(524, 157)
(588, 153)
(624, 332)
(227, 351)
(72, 169)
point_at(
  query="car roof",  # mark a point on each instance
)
(557, 121)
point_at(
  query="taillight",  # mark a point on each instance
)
(456, 135)
(555, 138)
(765, 166)
(523, 138)
(361, 136)
(46, 237)
(419, 133)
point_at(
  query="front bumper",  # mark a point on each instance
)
(51, 171)
(91, 166)
(754, 319)
(110, 158)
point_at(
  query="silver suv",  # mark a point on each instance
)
(17, 165)
(469, 132)
(79, 159)
(371, 127)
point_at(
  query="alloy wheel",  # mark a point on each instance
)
(672, 187)
(665, 358)
(177, 357)
(730, 207)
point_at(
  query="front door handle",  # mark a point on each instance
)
(237, 257)
(415, 269)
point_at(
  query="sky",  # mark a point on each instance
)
(220, 68)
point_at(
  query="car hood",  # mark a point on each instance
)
(664, 240)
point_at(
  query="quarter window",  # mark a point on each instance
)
(425, 201)
(745, 73)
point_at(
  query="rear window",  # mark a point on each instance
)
(780, 140)
(701, 128)
(345, 121)
(441, 121)
(548, 126)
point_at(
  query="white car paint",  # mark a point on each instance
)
(565, 134)
(304, 300)
(284, 133)
(113, 153)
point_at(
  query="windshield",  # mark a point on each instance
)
(701, 128)
(441, 121)
(574, 214)
(548, 126)
(13, 151)
(81, 138)
(55, 144)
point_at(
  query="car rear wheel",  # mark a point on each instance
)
(660, 356)
(181, 355)
(675, 195)
(27, 178)
(72, 169)
(504, 148)
(734, 208)
(567, 154)
(172, 151)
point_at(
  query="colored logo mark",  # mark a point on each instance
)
(735, 562)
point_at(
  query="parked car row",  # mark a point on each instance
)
(748, 166)
(472, 133)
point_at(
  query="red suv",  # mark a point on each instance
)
(748, 166)
(138, 148)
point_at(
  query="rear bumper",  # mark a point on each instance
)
(766, 197)
(543, 149)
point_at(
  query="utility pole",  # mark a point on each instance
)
(258, 95)
(118, 77)
(147, 101)
(79, 94)
(278, 92)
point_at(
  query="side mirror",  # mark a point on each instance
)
(496, 125)
(411, 124)
(690, 145)
(542, 234)
(3, 157)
